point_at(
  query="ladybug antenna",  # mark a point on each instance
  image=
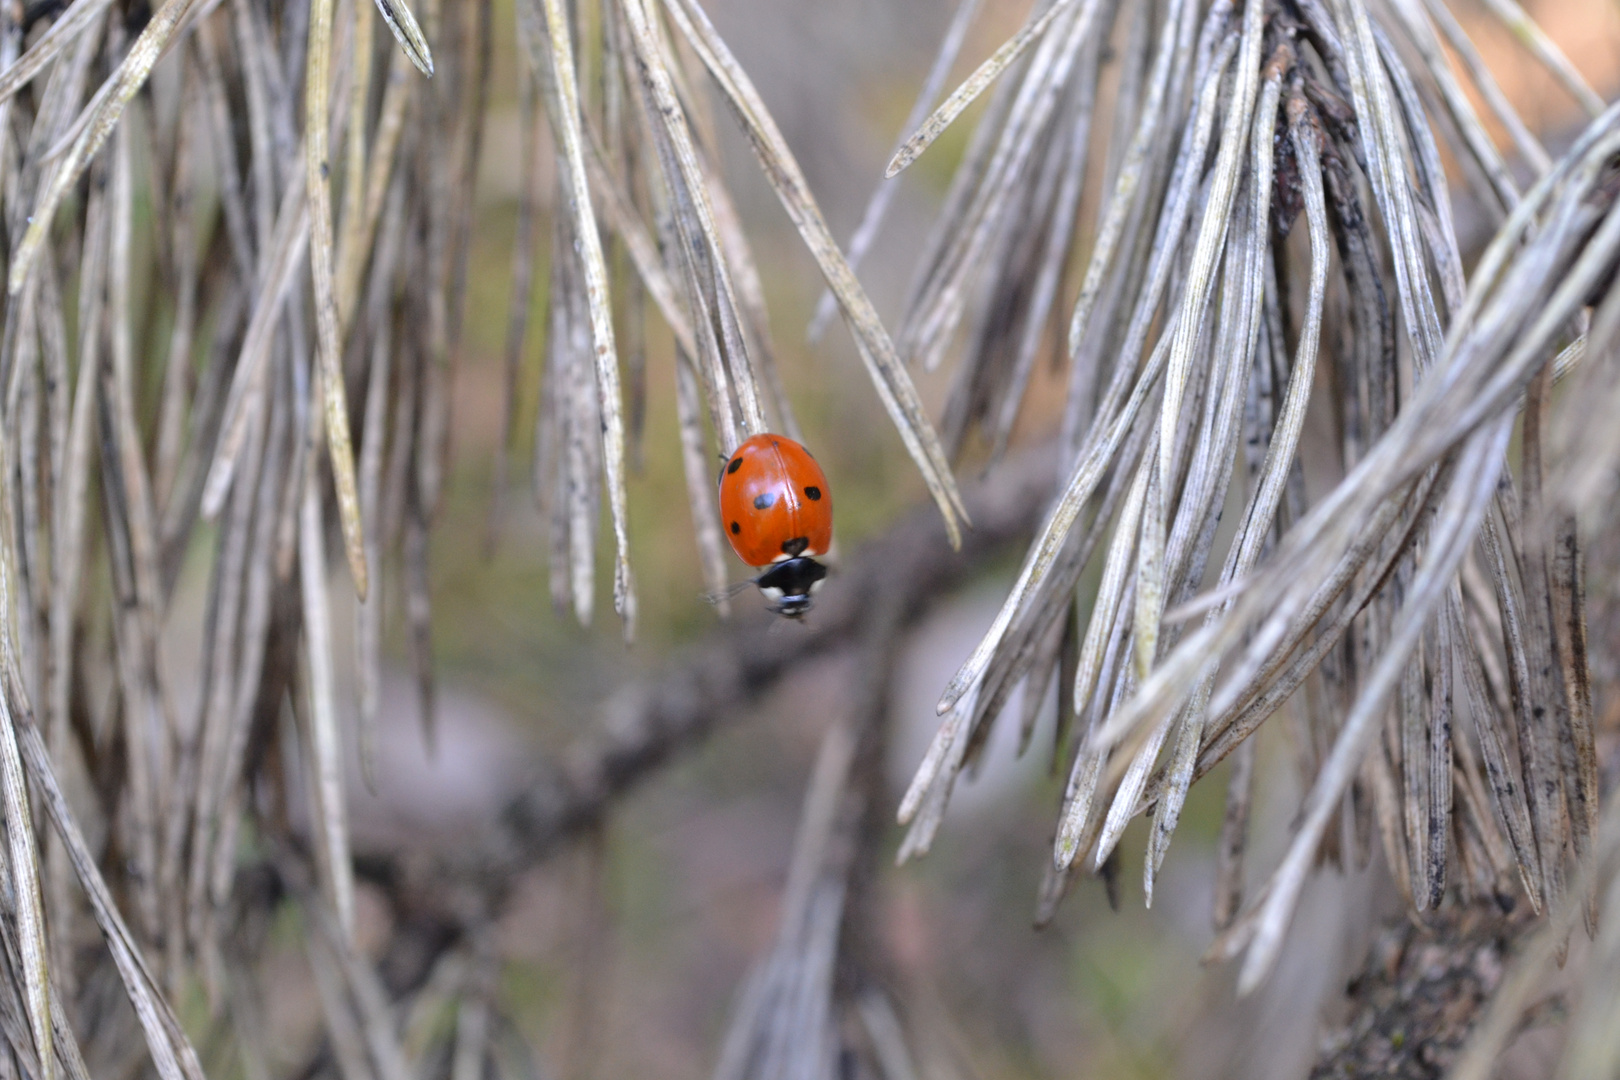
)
(717, 595)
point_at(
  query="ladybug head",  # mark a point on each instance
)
(790, 584)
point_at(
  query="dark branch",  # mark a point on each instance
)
(648, 724)
(1415, 1001)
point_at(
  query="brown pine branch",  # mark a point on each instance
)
(1420, 992)
(437, 897)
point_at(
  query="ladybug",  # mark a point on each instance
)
(776, 510)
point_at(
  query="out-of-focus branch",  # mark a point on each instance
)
(647, 724)
(814, 979)
(907, 567)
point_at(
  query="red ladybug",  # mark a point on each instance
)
(776, 510)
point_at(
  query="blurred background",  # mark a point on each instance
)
(622, 955)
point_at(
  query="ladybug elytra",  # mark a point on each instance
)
(776, 509)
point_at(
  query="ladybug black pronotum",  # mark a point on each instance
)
(776, 509)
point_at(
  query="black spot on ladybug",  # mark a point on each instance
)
(795, 547)
(735, 528)
(736, 463)
(765, 501)
(813, 494)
